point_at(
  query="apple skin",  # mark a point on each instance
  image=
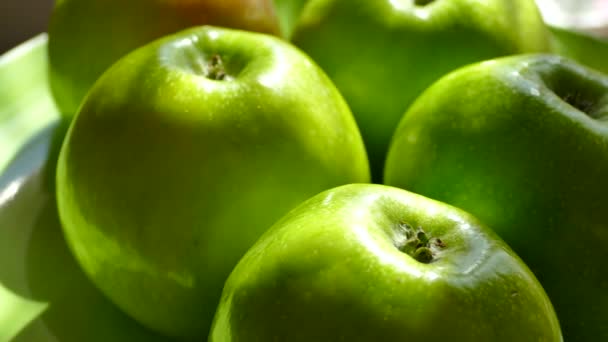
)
(331, 270)
(382, 54)
(88, 36)
(582, 47)
(499, 140)
(288, 13)
(168, 175)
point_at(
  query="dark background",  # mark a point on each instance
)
(22, 19)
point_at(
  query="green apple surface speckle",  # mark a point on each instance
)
(335, 269)
(382, 54)
(183, 154)
(522, 144)
(87, 36)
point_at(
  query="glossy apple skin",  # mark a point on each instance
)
(166, 177)
(88, 36)
(382, 54)
(497, 140)
(330, 271)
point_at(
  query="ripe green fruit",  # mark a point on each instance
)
(381, 54)
(183, 153)
(581, 47)
(346, 265)
(522, 144)
(288, 12)
(88, 36)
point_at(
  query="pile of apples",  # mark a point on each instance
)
(333, 170)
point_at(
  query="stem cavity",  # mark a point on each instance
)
(418, 244)
(215, 68)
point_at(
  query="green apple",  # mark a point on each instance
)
(87, 36)
(183, 154)
(581, 47)
(381, 54)
(288, 13)
(368, 262)
(522, 144)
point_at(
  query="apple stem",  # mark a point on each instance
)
(418, 244)
(215, 69)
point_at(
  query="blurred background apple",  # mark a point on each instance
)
(23, 19)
